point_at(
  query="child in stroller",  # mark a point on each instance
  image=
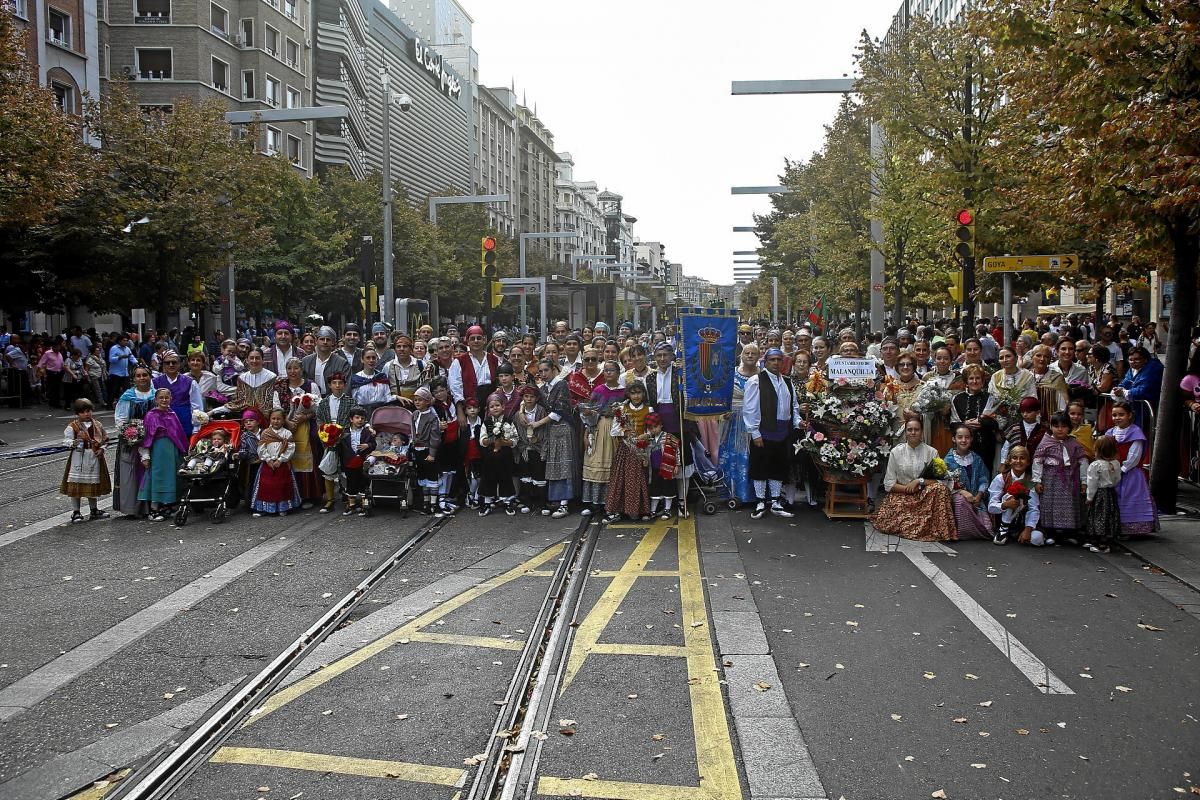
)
(208, 455)
(389, 456)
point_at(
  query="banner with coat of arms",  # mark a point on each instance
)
(709, 338)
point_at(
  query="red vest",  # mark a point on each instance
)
(467, 365)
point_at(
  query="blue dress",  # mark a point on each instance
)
(735, 446)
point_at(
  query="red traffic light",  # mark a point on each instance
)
(965, 217)
(489, 243)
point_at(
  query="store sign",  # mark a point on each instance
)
(432, 62)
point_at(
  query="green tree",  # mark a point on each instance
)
(1104, 115)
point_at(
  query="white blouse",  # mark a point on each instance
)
(906, 463)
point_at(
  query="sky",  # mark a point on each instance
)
(638, 91)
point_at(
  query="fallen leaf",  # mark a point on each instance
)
(762, 687)
(658, 737)
(852, 623)
(402, 716)
(263, 789)
(326, 713)
(1085, 758)
(631, 696)
(567, 723)
(1123, 689)
(909, 758)
(984, 733)
(112, 724)
(940, 794)
(697, 624)
(591, 776)
(838, 666)
(1085, 675)
(960, 720)
(979, 766)
(168, 695)
(1146, 627)
(897, 717)
(327, 594)
(971, 677)
(539, 735)
(986, 704)
(929, 676)
(859, 605)
(1061, 724)
(478, 758)
(802, 665)
(657, 756)
(1022, 732)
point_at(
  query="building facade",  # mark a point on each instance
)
(537, 171)
(250, 56)
(618, 227)
(62, 42)
(494, 161)
(577, 211)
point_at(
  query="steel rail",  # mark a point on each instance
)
(544, 655)
(168, 768)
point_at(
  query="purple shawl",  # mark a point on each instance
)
(160, 423)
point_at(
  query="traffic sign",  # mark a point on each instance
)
(1055, 263)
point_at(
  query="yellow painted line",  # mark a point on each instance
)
(341, 765)
(618, 790)
(331, 671)
(623, 649)
(464, 640)
(646, 573)
(633, 524)
(714, 746)
(588, 634)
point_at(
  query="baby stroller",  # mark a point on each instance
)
(390, 478)
(218, 487)
(706, 480)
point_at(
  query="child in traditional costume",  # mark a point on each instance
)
(663, 451)
(275, 490)
(86, 473)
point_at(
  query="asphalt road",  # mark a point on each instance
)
(697, 649)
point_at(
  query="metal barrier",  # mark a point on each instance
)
(14, 385)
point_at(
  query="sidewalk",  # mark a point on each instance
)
(1176, 548)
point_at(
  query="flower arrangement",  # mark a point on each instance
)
(132, 433)
(859, 419)
(849, 428)
(933, 398)
(199, 418)
(1016, 489)
(329, 433)
(935, 469)
(843, 454)
(304, 401)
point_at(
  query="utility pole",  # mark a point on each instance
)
(968, 267)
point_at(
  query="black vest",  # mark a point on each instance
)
(768, 408)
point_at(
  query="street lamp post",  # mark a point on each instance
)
(524, 237)
(405, 103)
(454, 200)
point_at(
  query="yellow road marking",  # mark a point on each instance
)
(323, 676)
(714, 747)
(465, 640)
(342, 765)
(588, 634)
(618, 790)
(100, 792)
(646, 573)
(623, 649)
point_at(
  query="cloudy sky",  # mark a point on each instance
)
(638, 92)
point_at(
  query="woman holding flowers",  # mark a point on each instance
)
(131, 408)
(298, 397)
(918, 504)
(936, 398)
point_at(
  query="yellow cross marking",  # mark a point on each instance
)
(342, 765)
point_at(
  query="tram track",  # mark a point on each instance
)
(160, 775)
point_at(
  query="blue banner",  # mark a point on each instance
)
(709, 357)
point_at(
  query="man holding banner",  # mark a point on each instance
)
(771, 413)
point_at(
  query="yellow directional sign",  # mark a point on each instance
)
(1056, 263)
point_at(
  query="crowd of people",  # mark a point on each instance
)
(1037, 440)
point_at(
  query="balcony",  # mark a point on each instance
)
(154, 75)
(332, 92)
(152, 18)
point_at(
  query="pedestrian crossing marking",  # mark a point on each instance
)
(342, 765)
(619, 790)
(464, 640)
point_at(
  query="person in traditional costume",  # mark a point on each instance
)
(1060, 472)
(1081, 429)
(275, 490)
(205, 380)
(557, 440)
(131, 407)
(664, 462)
(404, 370)
(970, 494)
(356, 441)
(1051, 384)
(255, 387)
(185, 393)
(161, 452)
(507, 389)
(86, 472)
(1011, 497)
(298, 397)
(1139, 516)
(1026, 431)
(530, 466)
(1103, 509)
(334, 408)
(497, 438)
(915, 507)
(970, 407)
(370, 387)
(629, 489)
(326, 361)
(735, 440)
(423, 448)
(804, 472)
(771, 412)
(598, 450)
(473, 373)
(1009, 385)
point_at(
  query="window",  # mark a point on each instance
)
(271, 95)
(21, 9)
(271, 41)
(218, 20)
(64, 97)
(153, 64)
(156, 109)
(220, 75)
(274, 140)
(293, 98)
(289, 8)
(152, 12)
(292, 54)
(58, 27)
(247, 84)
(295, 150)
(247, 33)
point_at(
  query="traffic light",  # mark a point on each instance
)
(487, 257)
(956, 285)
(965, 235)
(496, 295)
